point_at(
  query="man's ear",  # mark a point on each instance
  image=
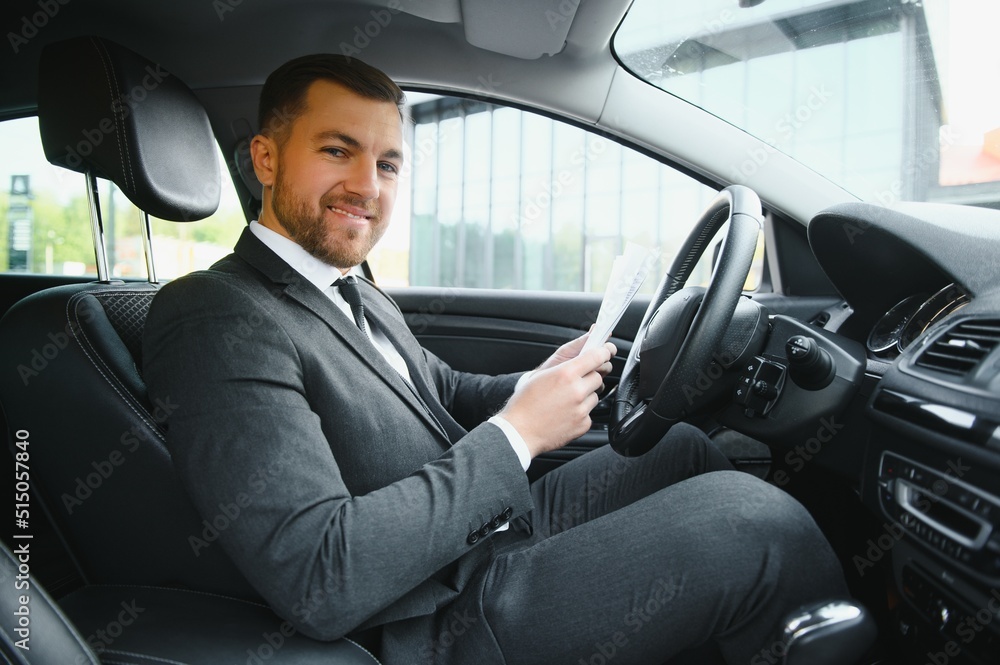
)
(264, 153)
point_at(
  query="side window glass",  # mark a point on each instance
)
(45, 219)
(501, 198)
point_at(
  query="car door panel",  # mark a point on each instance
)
(495, 332)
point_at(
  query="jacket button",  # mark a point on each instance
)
(473, 538)
(507, 513)
(496, 521)
(484, 530)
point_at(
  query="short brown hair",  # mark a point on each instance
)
(283, 97)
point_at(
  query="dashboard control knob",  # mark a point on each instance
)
(765, 390)
(809, 366)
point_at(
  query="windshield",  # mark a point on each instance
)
(891, 99)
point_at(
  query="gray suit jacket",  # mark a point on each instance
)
(333, 485)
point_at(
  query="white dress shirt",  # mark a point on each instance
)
(322, 275)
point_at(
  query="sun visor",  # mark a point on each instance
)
(526, 29)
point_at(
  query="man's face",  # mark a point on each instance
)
(333, 174)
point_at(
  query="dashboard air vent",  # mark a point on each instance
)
(961, 347)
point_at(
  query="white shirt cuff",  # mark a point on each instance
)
(514, 439)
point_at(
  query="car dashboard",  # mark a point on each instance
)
(922, 281)
(915, 314)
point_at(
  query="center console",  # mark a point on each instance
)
(959, 520)
(933, 475)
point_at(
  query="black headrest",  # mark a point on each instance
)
(105, 108)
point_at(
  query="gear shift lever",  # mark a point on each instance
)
(830, 633)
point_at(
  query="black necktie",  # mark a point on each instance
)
(349, 290)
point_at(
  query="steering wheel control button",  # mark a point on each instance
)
(759, 386)
(743, 389)
(764, 389)
(811, 367)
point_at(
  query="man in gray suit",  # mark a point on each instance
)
(383, 494)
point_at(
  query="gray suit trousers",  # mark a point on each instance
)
(632, 561)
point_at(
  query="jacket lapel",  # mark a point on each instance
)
(390, 321)
(292, 286)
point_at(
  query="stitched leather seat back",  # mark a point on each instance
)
(98, 457)
(98, 460)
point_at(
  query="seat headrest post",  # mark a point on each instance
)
(147, 245)
(97, 227)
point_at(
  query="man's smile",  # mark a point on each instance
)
(345, 212)
(357, 215)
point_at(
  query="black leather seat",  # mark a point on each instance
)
(139, 625)
(98, 460)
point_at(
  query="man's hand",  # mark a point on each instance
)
(571, 350)
(553, 406)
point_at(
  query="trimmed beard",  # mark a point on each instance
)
(306, 226)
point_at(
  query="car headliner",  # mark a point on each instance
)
(556, 57)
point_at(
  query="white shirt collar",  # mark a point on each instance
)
(320, 274)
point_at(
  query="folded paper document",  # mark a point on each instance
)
(627, 274)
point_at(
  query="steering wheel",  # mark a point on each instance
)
(683, 328)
